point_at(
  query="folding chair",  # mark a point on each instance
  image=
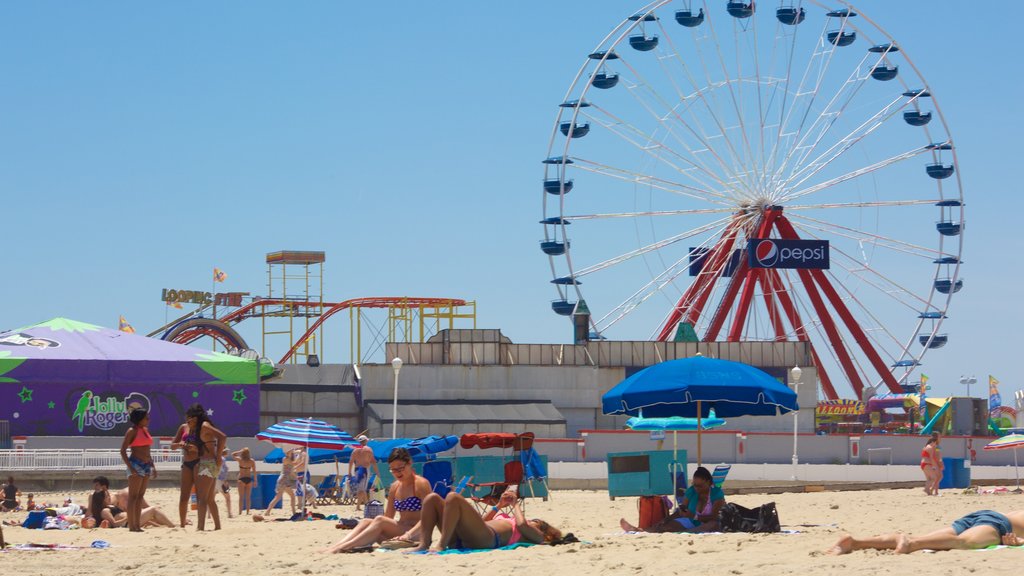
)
(513, 476)
(534, 471)
(327, 490)
(718, 476)
(439, 474)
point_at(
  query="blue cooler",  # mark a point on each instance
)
(264, 492)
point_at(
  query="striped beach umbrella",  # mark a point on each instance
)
(309, 433)
(1009, 442)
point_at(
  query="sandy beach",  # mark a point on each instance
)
(244, 546)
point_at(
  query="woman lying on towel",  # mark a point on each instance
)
(406, 495)
(698, 512)
(462, 528)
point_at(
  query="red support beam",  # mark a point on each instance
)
(794, 319)
(768, 291)
(764, 229)
(704, 281)
(851, 323)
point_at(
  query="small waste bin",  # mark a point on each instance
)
(955, 474)
(264, 492)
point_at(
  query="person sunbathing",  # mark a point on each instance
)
(462, 528)
(979, 529)
(406, 495)
(698, 512)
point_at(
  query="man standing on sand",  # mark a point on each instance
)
(979, 529)
(362, 458)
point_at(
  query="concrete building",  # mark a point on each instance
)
(478, 380)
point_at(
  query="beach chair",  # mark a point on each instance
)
(439, 474)
(534, 471)
(718, 476)
(492, 491)
(328, 490)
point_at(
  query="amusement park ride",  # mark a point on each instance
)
(295, 308)
(792, 162)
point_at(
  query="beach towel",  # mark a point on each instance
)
(470, 550)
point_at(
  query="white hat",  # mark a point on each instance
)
(362, 438)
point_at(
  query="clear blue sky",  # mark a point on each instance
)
(145, 143)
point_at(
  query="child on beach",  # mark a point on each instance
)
(140, 464)
(246, 479)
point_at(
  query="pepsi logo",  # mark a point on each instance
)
(767, 253)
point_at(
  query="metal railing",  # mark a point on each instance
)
(77, 459)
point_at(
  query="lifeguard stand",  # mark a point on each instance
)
(295, 280)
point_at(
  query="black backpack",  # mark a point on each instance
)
(736, 518)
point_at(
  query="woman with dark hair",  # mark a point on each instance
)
(405, 495)
(462, 528)
(185, 440)
(140, 464)
(209, 442)
(931, 465)
(698, 512)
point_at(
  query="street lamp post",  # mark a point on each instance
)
(396, 365)
(968, 380)
(795, 373)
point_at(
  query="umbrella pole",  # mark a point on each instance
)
(698, 435)
(1016, 469)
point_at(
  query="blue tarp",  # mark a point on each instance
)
(421, 449)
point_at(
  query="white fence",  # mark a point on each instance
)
(47, 460)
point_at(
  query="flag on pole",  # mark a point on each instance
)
(174, 305)
(219, 275)
(994, 399)
(924, 384)
(124, 326)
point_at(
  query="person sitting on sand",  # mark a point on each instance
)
(405, 495)
(462, 528)
(11, 493)
(149, 514)
(698, 512)
(976, 530)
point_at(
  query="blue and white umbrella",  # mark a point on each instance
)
(309, 433)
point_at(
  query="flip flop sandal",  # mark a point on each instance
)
(398, 544)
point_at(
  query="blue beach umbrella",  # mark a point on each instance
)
(693, 387)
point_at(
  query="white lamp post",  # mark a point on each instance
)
(968, 380)
(795, 374)
(396, 365)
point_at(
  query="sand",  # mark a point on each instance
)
(255, 549)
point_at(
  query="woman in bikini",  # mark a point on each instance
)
(186, 441)
(246, 479)
(405, 495)
(209, 443)
(698, 512)
(139, 463)
(285, 482)
(462, 528)
(931, 465)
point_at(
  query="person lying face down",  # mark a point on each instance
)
(976, 530)
(462, 528)
(698, 511)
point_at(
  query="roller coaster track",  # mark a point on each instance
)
(324, 310)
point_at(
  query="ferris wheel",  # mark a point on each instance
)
(741, 171)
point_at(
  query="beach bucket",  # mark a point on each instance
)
(373, 509)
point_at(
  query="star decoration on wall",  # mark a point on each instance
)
(239, 396)
(25, 395)
(209, 412)
(51, 405)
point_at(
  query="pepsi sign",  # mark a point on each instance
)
(776, 253)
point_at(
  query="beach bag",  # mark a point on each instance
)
(735, 518)
(653, 509)
(373, 509)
